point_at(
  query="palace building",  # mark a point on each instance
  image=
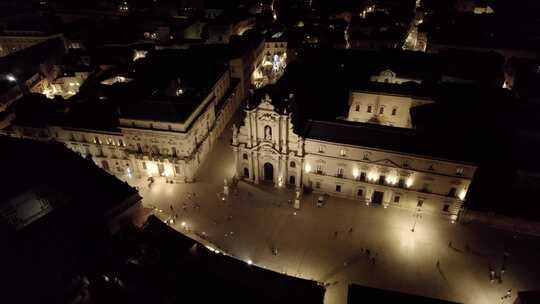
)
(373, 155)
(158, 120)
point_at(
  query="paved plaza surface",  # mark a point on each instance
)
(439, 259)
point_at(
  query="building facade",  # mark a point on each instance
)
(268, 150)
(143, 148)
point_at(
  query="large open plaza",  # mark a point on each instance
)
(344, 241)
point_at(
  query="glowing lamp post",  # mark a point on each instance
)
(11, 78)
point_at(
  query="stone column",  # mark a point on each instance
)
(254, 129)
(236, 162)
(256, 169)
(300, 174)
(250, 129)
(285, 135)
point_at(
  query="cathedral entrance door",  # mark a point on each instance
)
(268, 172)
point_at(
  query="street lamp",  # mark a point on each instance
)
(11, 78)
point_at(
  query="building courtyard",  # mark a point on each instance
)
(345, 241)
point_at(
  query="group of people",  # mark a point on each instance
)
(336, 233)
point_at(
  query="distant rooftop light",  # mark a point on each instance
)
(11, 78)
(116, 79)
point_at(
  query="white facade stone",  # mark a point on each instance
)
(267, 149)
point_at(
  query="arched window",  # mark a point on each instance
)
(292, 164)
(394, 111)
(267, 133)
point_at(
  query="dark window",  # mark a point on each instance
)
(446, 207)
(105, 165)
(420, 203)
(360, 192)
(139, 149)
(174, 152)
(246, 172)
(452, 192)
(317, 185)
(394, 111)
(381, 110)
(362, 176)
(382, 179)
(396, 199)
(369, 109)
(401, 183)
(245, 156)
(338, 188)
(144, 165)
(357, 108)
(292, 164)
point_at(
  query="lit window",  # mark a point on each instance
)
(459, 171)
(319, 169)
(321, 149)
(342, 152)
(340, 172)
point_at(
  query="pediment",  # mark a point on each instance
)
(387, 162)
(266, 103)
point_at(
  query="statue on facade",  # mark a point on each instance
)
(267, 133)
(234, 134)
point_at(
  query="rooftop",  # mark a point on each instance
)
(51, 172)
(384, 138)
